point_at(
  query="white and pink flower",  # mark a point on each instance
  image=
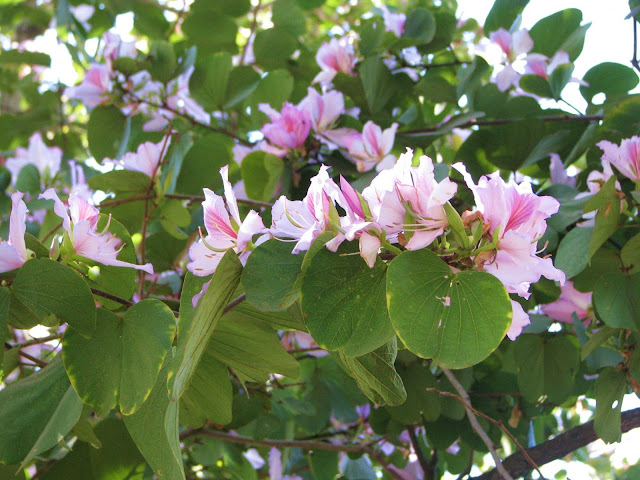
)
(334, 57)
(324, 109)
(289, 128)
(625, 157)
(95, 86)
(146, 159)
(80, 221)
(45, 159)
(571, 302)
(13, 252)
(371, 148)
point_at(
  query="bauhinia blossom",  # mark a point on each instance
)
(517, 217)
(323, 109)
(393, 22)
(95, 86)
(520, 216)
(412, 192)
(80, 221)
(334, 57)
(304, 220)
(45, 159)
(558, 173)
(289, 128)
(372, 147)
(571, 302)
(13, 252)
(146, 159)
(625, 157)
(224, 231)
(513, 46)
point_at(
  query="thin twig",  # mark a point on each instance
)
(383, 463)
(36, 341)
(468, 468)
(35, 360)
(497, 423)
(422, 460)
(634, 60)
(473, 420)
(234, 303)
(505, 121)
(114, 298)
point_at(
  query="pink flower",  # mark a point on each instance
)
(224, 232)
(519, 320)
(46, 159)
(372, 148)
(626, 157)
(396, 192)
(14, 253)
(95, 87)
(304, 220)
(393, 22)
(78, 182)
(333, 57)
(542, 66)
(80, 221)
(298, 339)
(115, 47)
(146, 159)
(519, 216)
(275, 466)
(558, 173)
(512, 45)
(289, 128)
(571, 301)
(324, 109)
(180, 100)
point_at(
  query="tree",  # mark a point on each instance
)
(326, 235)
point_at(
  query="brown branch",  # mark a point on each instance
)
(35, 360)
(505, 121)
(473, 420)
(422, 460)
(114, 298)
(497, 423)
(377, 456)
(35, 341)
(559, 446)
(234, 303)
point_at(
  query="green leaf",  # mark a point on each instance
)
(537, 85)
(324, 465)
(210, 395)
(546, 366)
(46, 287)
(436, 88)
(37, 412)
(624, 118)
(420, 403)
(344, 303)
(610, 388)
(273, 47)
(209, 80)
(559, 78)
(163, 60)
(148, 430)
(607, 203)
(310, 4)
(503, 14)
(456, 319)
(106, 132)
(376, 374)
(471, 76)
(609, 78)
(548, 144)
(243, 81)
(209, 29)
(377, 83)
(275, 88)
(270, 274)
(28, 180)
(120, 364)
(4, 312)
(420, 25)
(288, 15)
(630, 255)
(550, 33)
(120, 181)
(573, 256)
(209, 153)
(24, 56)
(252, 349)
(197, 332)
(616, 298)
(261, 172)
(118, 459)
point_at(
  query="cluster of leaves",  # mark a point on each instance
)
(142, 383)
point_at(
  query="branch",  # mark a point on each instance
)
(114, 298)
(35, 341)
(422, 460)
(234, 303)
(559, 446)
(505, 121)
(473, 420)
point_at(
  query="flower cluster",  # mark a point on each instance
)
(140, 92)
(404, 206)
